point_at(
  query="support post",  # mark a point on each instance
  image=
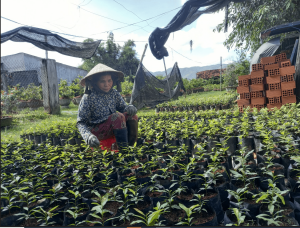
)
(167, 77)
(297, 73)
(221, 75)
(146, 45)
(46, 50)
(50, 87)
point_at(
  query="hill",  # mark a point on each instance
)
(190, 72)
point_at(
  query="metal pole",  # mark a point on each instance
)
(46, 50)
(167, 77)
(221, 75)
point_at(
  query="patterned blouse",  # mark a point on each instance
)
(95, 108)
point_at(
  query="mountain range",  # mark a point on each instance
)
(190, 72)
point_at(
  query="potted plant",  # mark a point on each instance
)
(7, 105)
(77, 89)
(126, 90)
(33, 95)
(65, 93)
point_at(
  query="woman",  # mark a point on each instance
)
(98, 118)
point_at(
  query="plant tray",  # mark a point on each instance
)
(243, 89)
(273, 93)
(272, 106)
(288, 85)
(287, 70)
(241, 102)
(258, 87)
(276, 79)
(258, 101)
(266, 60)
(288, 100)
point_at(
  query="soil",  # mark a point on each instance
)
(175, 215)
(135, 167)
(33, 204)
(219, 171)
(275, 168)
(154, 194)
(30, 222)
(210, 195)
(203, 217)
(129, 174)
(141, 205)
(113, 207)
(143, 160)
(143, 176)
(185, 197)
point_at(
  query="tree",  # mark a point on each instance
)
(248, 19)
(240, 67)
(113, 55)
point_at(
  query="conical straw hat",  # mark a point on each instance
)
(100, 68)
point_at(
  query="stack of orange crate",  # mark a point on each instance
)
(280, 81)
(257, 87)
(244, 90)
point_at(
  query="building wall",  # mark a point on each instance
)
(25, 62)
(14, 62)
(68, 73)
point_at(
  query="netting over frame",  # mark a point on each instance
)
(46, 40)
(148, 90)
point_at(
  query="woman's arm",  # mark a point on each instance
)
(83, 118)
(121, 104)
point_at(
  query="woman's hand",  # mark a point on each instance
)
(131, 110)
(93, 141)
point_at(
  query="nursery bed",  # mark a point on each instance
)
(201, 165)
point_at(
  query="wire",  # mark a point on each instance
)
(183, 55)
(62, 33)
(132, 12)
(86, 4)
(136, 22)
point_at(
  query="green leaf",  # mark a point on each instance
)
(262, 198)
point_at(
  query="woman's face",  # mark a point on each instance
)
(105, 83)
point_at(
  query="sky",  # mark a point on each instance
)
(96, 18)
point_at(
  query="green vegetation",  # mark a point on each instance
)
(180, 161)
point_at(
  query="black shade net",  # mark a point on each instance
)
(149, 91)
(187, 14)
(48, 41)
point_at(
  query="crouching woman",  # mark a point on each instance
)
(102, 111)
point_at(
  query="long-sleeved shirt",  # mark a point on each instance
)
(95, 108)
